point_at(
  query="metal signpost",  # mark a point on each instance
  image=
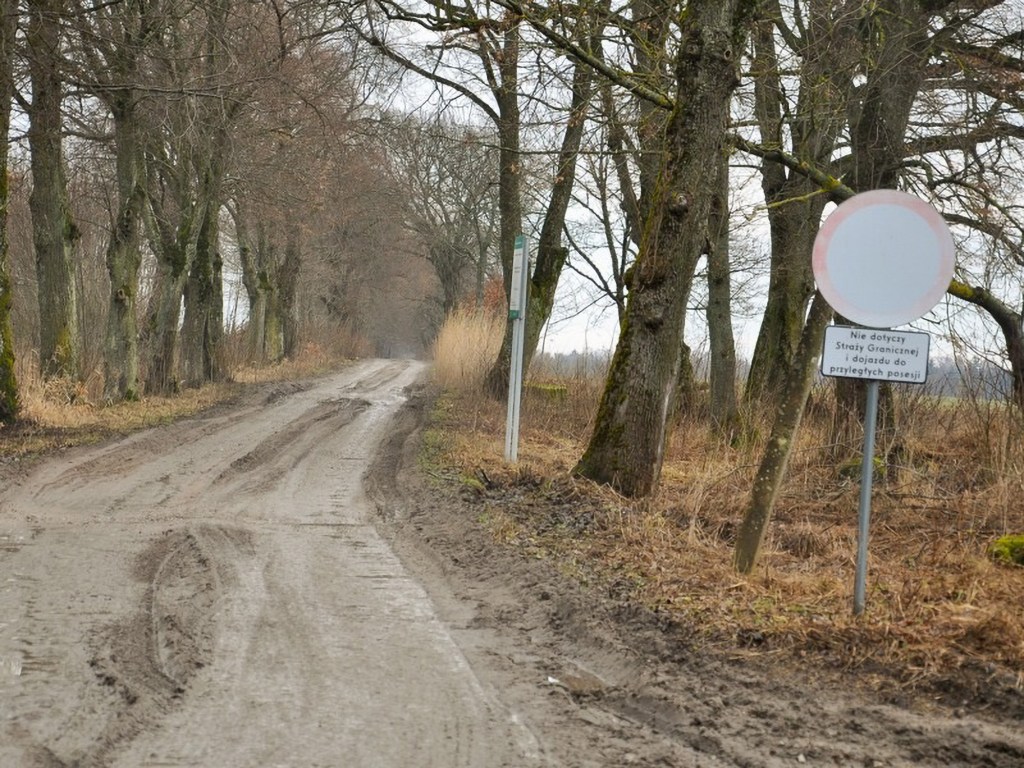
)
(882, 258)
(517, 298)
(868, 353)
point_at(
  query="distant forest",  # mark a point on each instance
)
(947, 376)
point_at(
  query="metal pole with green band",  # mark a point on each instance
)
(518, 295)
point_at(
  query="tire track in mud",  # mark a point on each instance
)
(269, 623)
(165, 469)
(149, 659)
(267, 463)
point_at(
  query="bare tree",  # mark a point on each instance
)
(881, 114)
(53, 228)
(219, 53)
(551, 254)
(626, 449)
(823, 36)
(491, 84)
(495, 41)
(449, 173)
(108, 61)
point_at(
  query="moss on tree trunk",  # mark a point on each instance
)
(9, 400)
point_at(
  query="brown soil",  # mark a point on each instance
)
(228, 591)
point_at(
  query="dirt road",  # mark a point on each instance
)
(215, 593)
(223, 591)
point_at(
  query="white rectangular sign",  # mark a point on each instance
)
(520, 273)
(876, 354)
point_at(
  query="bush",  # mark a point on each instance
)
(1008, 549)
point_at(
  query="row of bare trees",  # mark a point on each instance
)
(823, 98)
(216, 132)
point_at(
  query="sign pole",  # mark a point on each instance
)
(517, 316)
(867, 475)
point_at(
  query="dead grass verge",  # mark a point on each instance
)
(942, 617)
(60, 413)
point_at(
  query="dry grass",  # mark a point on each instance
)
(938, 610)
(465, 348)
(61, 413)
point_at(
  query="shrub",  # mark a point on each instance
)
(1008, 549)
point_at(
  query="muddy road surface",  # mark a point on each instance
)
(215, 593)
(258, 586)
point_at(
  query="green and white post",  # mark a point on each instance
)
(518, 295)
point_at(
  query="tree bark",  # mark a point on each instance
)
(9, 399)
(255, 282)
(124, 257)
(510, 203)
(288, 281)
(174, 244)
(53, 230)
(626, 449)
(773, 465)
(203, 327)
(722, 364)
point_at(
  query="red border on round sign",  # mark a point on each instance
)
(923, 302)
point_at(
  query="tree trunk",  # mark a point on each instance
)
(255, 282)
(124, 258)
(287, 282)
(449, 263)
(9, 401)
(790, 286)
(164, 322)
(54, 233)
(260, 346)
(203, 327)
(626, 449)
(175, 248)
(722, 364)
(510, 203)
(830, 51)
(773, 465)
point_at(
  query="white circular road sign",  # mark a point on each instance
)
(883, 258)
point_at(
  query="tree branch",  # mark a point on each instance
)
(534, 16)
